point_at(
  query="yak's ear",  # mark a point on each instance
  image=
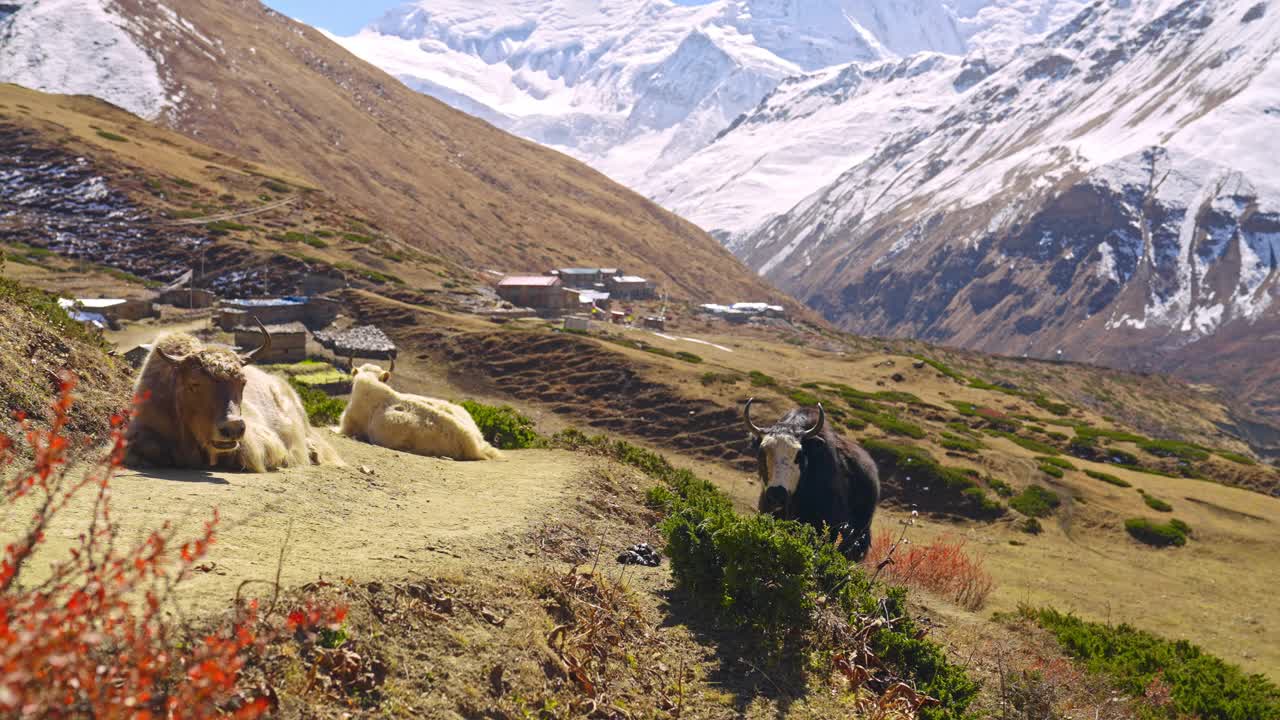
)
(385, 376)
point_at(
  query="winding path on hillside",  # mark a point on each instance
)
(385, 514)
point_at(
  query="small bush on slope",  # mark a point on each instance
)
(941, 566)
(1036, 501)
(1199, 685)
(1108, 478)
(322, 410)
(503, 427)
(1173, 533)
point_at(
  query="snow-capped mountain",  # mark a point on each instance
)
(635, 86)
(1111, 187)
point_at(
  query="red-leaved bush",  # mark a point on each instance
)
(90, 639)
(942, 567)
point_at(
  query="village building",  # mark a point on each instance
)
(314, 312)
(630, 287)
(586, 278)
(192, 298)
(109, 311)
(541, 292)
(288, 342)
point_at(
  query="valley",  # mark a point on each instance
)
(997, 250)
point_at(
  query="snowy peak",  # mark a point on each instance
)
(1109, 188)
(635, 86)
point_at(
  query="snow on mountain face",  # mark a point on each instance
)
(1112, 186)
(80, 47)
(634, 86)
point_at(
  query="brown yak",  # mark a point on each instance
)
(206, 407)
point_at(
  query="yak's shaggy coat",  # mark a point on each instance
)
(167, 431)
(411, 423)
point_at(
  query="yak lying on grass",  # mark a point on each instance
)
(412, 423)
(816, 477)
(206, 406)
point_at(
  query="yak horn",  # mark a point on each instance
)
(266, 341)
(746, 416)
(393, 365)
(817, 428)
(176, 360)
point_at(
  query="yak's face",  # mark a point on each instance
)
(779, 460)
(210, 391)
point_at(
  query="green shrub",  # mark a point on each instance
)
(1051, 470)
(1156, 503)
(1031, 526)
(960, 444)
(107, 135)
(893, 425)
(315, 242)
(1001, 488)
(1200, 685)
(357, 238)
(855, 422)
(711, 378)
(1087, 431)
(941, 367)
(1174, 448)
(503, 427)
(967, 409)
(759, 379)
(1157, 534)
(1035, 501)
(322, 410)
(930, 484)
(1108, 478)
(802, 397)
(1026, 442)
(1236, 457)
(1057, 408)
(688, 357)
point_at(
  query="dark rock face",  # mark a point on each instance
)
(57, 201)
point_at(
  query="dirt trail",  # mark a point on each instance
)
(411, 514)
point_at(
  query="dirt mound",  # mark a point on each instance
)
(575, 376)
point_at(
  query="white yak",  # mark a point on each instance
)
(411, 423)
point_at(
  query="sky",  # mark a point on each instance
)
(344, 17)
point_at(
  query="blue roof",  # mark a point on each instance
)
(268, 302)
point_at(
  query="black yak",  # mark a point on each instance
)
(814, 476)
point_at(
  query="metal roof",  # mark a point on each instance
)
(529, 280)
(579, 271)
(91, 303)
(630, 279)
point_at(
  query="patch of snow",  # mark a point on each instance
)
(80, 47)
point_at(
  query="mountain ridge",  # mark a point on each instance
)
(250, 81)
